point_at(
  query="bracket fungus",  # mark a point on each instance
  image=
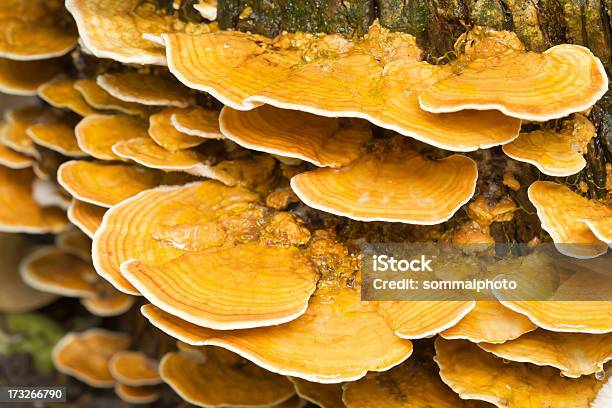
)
(496, 72)
(377, 78)
(167, 136)
(35, 30)
(575, 354)
(322, 141)
(554, 153)
(207, 8)
(104, 184)
(87, 217)
(197, 121)
(490, 322)
(323, 395)
(74, 242)
(97, 134)
(24, 77)
(399, 186)
(98, 98)
(85, 355)
(146, 89)
(14, 131)
(221, 378)
(57, 136)
(13, 159)
(134, 368)
(107, 301)
(475, 374)
(18, 210)
(579, 227)
(61, 93)
(137, 395)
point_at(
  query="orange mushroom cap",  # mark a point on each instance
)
(322, 141)
(24, 77)
(475, 374)
(11, 158)
(62, 94)
(98, 98)
(207, 8)
(146, 89)
(376, 78)
(490, 322)
(108, 302)
(575, 354)
(336, 319)
(87, 217)
(134, 368)
(34, 30)
(96, 134)
(166, 135)
(395, 186)
(554, 153)
(323, 395)
(53, 270)
(499, 74)
(15, 295)
(18, 210)
(85, 355)
(57, 136)
(18, 121)
(223, 380)
(137, 395)
(572, 220)
(197, 121)
(105, 184)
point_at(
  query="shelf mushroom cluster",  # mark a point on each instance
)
(206, 215)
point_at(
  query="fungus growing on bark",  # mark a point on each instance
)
(14, 131)
(11, 158)
(207, 8)
(197, 121)
(134, 368)
(24, 77)
(579, 227)
(322, 141)
(556, 153)
(87, 217)
(35, 30)
(98, 98)
(97, 134)
(57, 136)
(85, 355)
(222, 378)
(496, 72)
(165, 134)
(146, 89)
(62, 94)
(323, 395)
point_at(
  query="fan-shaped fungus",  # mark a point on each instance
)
(166, 135)
(62, 94)
(24, 77)
(87, 217)
(197, 122)
(134, 368)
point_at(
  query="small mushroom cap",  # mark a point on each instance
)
(146, 89)
(18, 121)
(322, 141)
(490, 322)
(244, 286)
(15, 295)
(475, 374)
(219, 381)
(57, 136)
(134, 368)
(424, 318)
(109, 303)
(18, 210)
(98, 98)
(144, 151)
(24, 77)
(395, 187)
(12, 159)
(561, 212)
(36, 29)
(554, 153)
(87, 217)
(85, 355)
(338, 320)
(207, 8)
(128, 20)
(377, 78)
(76, 242)
(564, 79)
(197, 121)
(575, 354)
(105, 184)
(166, 135)
(53, 270)
(413, 384)
(62, 94)
(323, 395)
(161, 224)
(96, 134)
(137, 395)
